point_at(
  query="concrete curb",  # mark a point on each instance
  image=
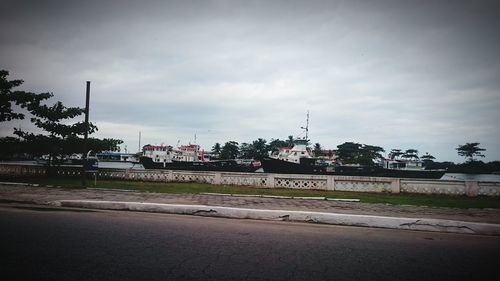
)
(20, 184)
(281, 197)
(435, 225)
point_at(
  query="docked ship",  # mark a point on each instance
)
(297, 159)
(191, 158)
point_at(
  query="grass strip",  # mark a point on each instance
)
(462, 202)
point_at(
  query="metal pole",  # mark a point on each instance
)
(139, 141)
(86, 134)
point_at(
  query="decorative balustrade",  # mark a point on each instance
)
(265, 180)
(433, 187)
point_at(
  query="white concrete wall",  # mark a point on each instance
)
(489, 188)
(433, 187)
(264, 180)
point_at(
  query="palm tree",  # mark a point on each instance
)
(410, 153)
(395, 153)
(469, 150)
(317, 150)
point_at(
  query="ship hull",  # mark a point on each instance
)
(309, 166)
(222, 165)
(277, 166)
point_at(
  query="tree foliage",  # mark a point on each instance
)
(275, 144)
(395, 153)
(230, 150)
(17, 148)
(255, 150)
(53, 120)
(410, 154)
(75, 145)
(60, 137)
(470, 150)
(8, 97)
(216, 148)
(317, 150)
(245, 150)
(427, 157)
(355, 153)
(258, 149)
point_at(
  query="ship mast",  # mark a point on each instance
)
(307, 125)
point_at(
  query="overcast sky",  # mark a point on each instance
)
(397, 74)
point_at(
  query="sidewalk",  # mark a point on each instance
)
(229, 205)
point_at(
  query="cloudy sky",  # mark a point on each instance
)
(397, 74)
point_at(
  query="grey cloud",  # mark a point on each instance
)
(416, 73)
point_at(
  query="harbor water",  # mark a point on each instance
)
(471, 177)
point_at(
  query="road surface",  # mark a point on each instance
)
(41, 243)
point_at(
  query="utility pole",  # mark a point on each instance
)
(139, 141)
(86, 135)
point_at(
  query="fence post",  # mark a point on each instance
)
(270, 181)
(170, 176)
(396, 186)
(218, 178)
(471, 188)
(330, 183)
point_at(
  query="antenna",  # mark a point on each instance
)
(307, 124)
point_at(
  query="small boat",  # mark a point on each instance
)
(111, 156)
(74, 159)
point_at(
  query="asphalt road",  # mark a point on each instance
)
(39, 243)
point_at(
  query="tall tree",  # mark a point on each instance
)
(317, 150)
(470, 150)
(370, 153)
(255, 150)
(53, 119)
(410, 154)
(74, 144)
(9, 97)
(245, 150)
(60, 135)
(355, 153)
(230, 150)
(275, 144)
(216, 149)
(427, 159)
(395, 153)
(10, 147)
(259, 149)
(348, 152)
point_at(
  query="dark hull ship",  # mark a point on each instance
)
(297, 159)
(315, 167)
(213, 165)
